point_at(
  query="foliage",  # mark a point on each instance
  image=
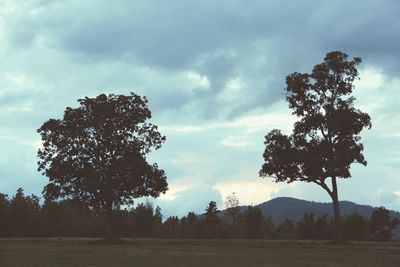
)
(97, 153)
(325, 139)
(24, 216)
(355, 227)
(381, 225)
(256, 225)
(286, 230)
(211, 220)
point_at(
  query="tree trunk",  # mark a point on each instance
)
(338, 234)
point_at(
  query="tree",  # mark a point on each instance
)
(325, 139)
(306, 227)
(286, 230)
(97, 153)
(191, 226)
(381, 225)
(254, 222)
(4, 214)
(23, 212)
(355, 227)
(144, 220)
(233, 218)
(233, 213)
(171, 228)
(323, 228)
(211, 220)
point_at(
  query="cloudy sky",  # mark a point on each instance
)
(214, 74)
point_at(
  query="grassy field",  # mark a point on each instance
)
(155, 252)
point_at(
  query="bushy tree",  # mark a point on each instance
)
(323, 228)
(355, 227)
(97, 153)
(23, 214)
(191, 226)
(326, 138)
(143, 222)
(171, 228)
(286, 230)
(306, 227)
(254, 222)
(381, 225)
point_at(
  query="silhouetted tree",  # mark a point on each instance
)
(233, 213)
(233, 219)
(157, 221)
(4, 214)
(97, 153)
(254, 222)
(171, 228)
(325, 140)
(286, 230)
(23, 214)
(211, 220)
(381, 225)
(323, 228)
(144, 220)
(306, 227)
(191, 226)
(355, 227)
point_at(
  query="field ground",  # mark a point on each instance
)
(159, 252)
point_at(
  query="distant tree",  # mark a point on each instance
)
(233, 219)
(325, 140)
(69, 218)
(323, 228)
(381, 225)
(97, 153)
(143, 220)
(191, 226)
(355, 227)
(233, 213)
(211, 220)
(254, 222)
(23, 214)
(4, 214)
(286, 230)
(157, 221)
(306, 227)
(171, 228)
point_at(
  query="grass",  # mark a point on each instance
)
(159, 252)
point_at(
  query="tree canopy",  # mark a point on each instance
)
(97, 153)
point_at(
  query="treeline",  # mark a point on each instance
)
(24, 216)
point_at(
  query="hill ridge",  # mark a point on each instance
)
(280, 208)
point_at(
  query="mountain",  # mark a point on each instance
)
(286, 207)
(294, 209)
(281, 208)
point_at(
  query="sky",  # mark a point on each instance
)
(214, 73)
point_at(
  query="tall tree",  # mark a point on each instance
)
(254, 222)
(306, 227)
(211, 220)
(325, 139)
(97, 153)
(355, 227)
